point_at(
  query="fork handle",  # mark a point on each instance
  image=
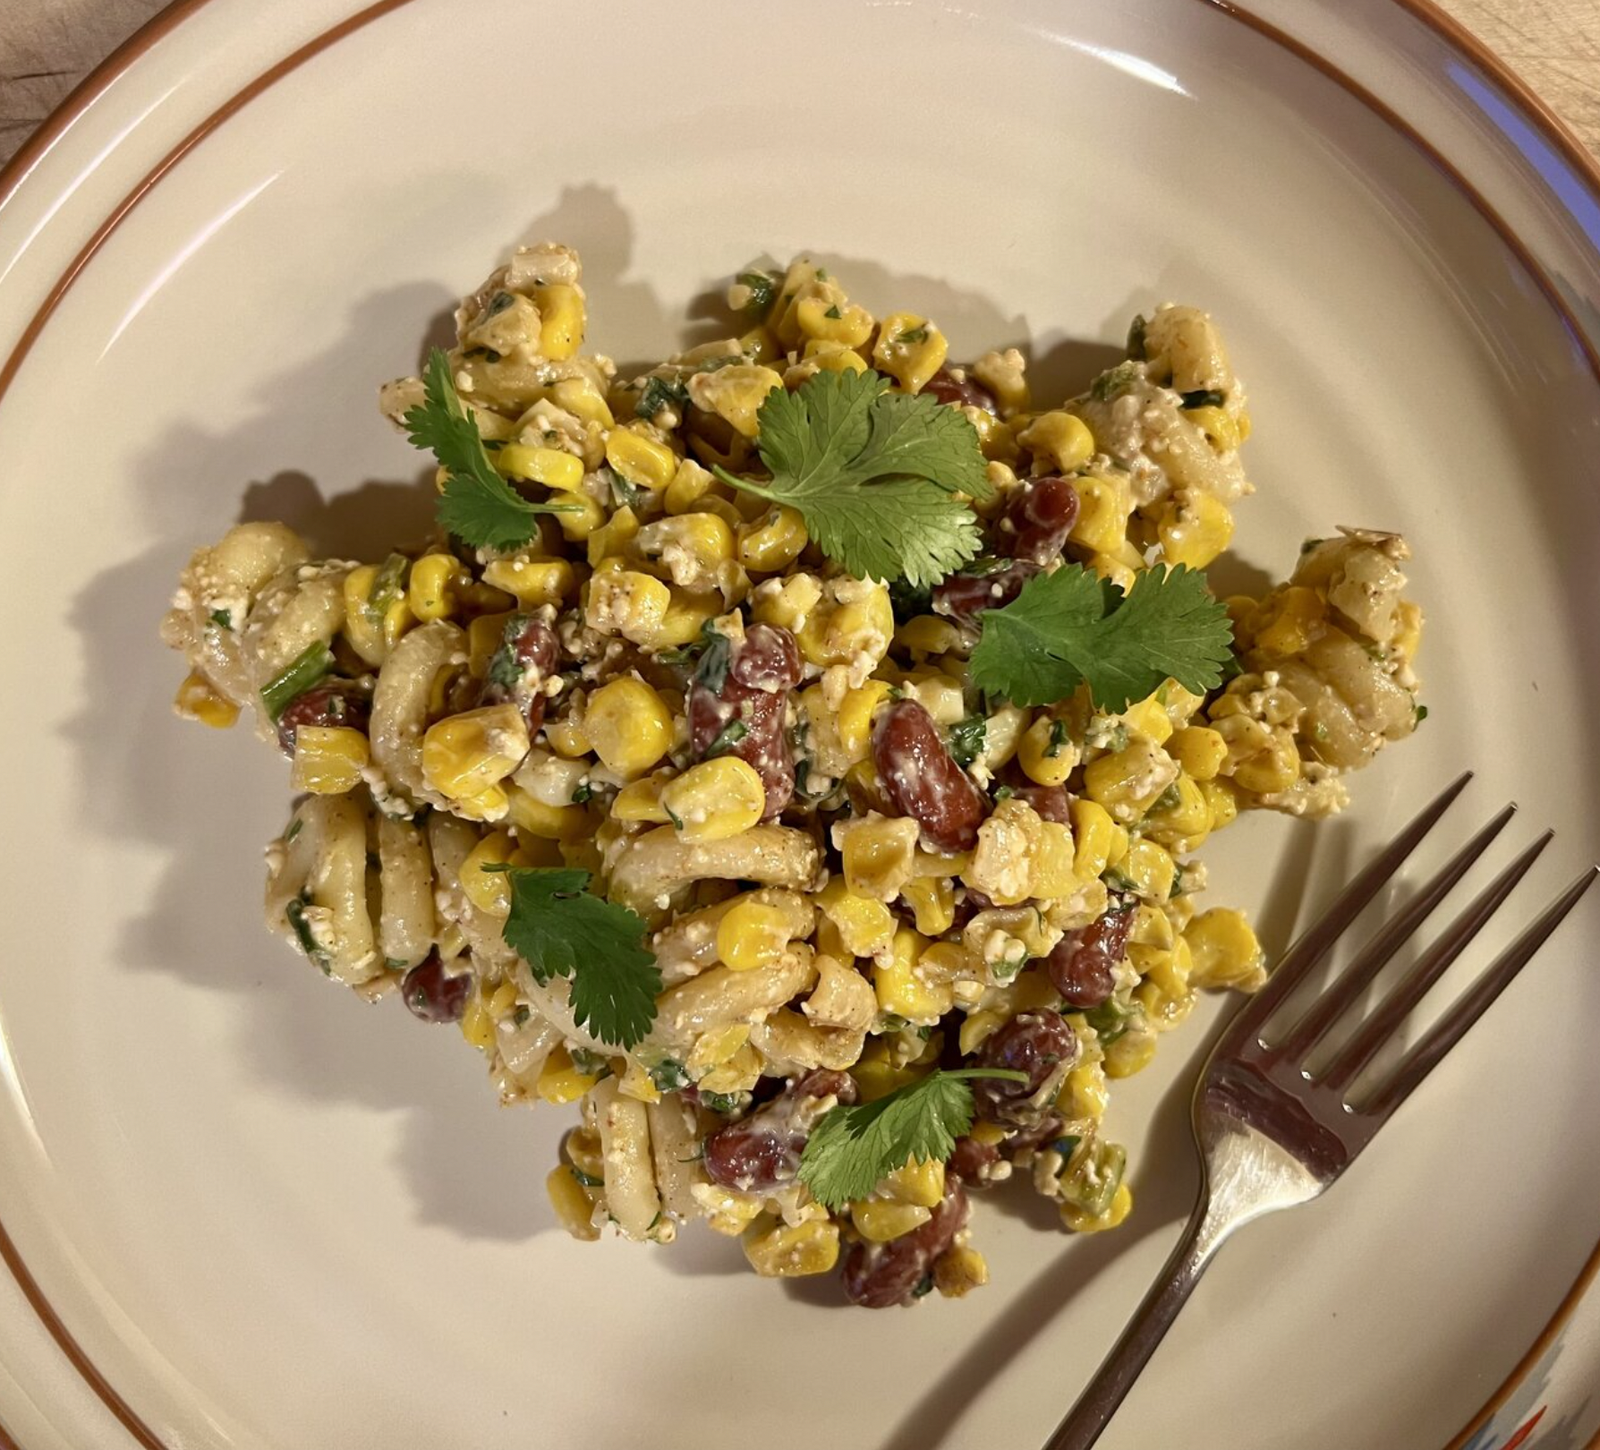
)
(1204, 1234)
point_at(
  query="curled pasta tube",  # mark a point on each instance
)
(400, 706)
(660, 862)
(317, 888)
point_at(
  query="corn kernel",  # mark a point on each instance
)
(582, 397)
(640, 800)
(431, 590)
(1129, 1054)
(878, 1221)
(1054, 866)
(727, 1211)
(1187, 820)
(1084, 1094)
(465, 756)
(1224, 950)
(854, 718)
(777, 1250)
(1194, 528)
(397, 619)
(196, 700)
(477, 1026)
(590, 515)
(932, 901)
(715, 1048)
(328, 760)
(1218, 426)
(1094, 832)
(536, 820)
(910, 349)
(832, 357)
(628, 603)
(928, 634)
(489, 891)
(878, 852)
(553, 467)
(636, 1083)
(738, 1074)
(642, 460)
(715, 799)
(958, 1271)
(561, 1082)
(1222, 799)
(751, 934)
(1290, 620)
(1080, 1222)
(1128, 781)
(689, 485)
(918, 1182)
(977, 1028)
(865, 926)
(735, 394)
(1060, 439)
(827, 321)
(1103, 508)
(1149, 870)
(1199, 751)
(1046, 752)
(774, 541)
(688, 612)
(573, 1206)
(628, 725)
(862, 621)
(1149, 718)
(902, 990)
(561, 319)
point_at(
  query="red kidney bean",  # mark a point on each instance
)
(434, 993)
(877, 1276)
(971, 1160)
(533, 651)
(1030, 1140)
(1049, 802)
(967, 392)
(1037, 519)
(922, 780)
(754, 692)
(1039, 1044)
(762, 1152)
(334, 702)
(963, 597)
(1083, 963)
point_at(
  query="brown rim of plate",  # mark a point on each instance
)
(100, 80)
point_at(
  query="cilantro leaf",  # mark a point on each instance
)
(853, 1148)
(1071, 626)
(873, 474)
(477, 504)
(561, 929)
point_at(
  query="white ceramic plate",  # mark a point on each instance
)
(268, 1218)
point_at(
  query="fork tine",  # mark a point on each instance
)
(1313, 944)
(1445, 1033)
(1427, 970)
(1341, 993)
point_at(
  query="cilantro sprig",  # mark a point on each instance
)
(1071, 626)
(476, 504)
(561, 929)
(873, 474)
(852, 1149)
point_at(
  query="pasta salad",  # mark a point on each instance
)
(795, 757)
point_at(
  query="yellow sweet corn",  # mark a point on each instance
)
(688, 612)
(581, 397)
(831, 357)
(1128, 781)
(590, 515)
(777, 1250)
(1186, 820)
(1218, 426)
(328, 760)
(1080, 1222)
(1149, 869)
(553, 467)
(608, 546)
(689, 485)
(752, 934)
(1149, 718)
(535, 820)
(1054, 870)
(920, 1183)
(1084, 1094)
(628, 603)
(640, 800)
(738, 1074)
(865, 926)
(1290, 620)
(1046, 752)
(532, 582)
(464, 757)
(729, 1212)
(902, 990)
(485, 635)
(910, 349)
(1094, 832)
(878, 853)
(977, 1028)
(715, 1048)
(628, 725)
(932, 902)
(431, 591)
(1224, 950)
(958, 1271)
(944, 961)
(1223, 801)
(489, 891)
(1193, 528)
(715, 799)
(1103, 508)
(736, 393)
(477, 1024)
(790, 604)
(1060, 439)
(561, 1082)
(928, 634)
(878, 1221)
(561, 319)
(773, 541)
(196, 700)
(1130, 1053)
(853, 720)
(826, 320)
(361, 626)
(574, 1208)
(397, 619)
(642, 459)
(1199, 751)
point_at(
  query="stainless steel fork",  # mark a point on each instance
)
(1271, 1133)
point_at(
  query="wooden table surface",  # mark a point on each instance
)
(47, 46)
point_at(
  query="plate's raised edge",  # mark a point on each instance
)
(16, 171)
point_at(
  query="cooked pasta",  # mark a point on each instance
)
(854, 868)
